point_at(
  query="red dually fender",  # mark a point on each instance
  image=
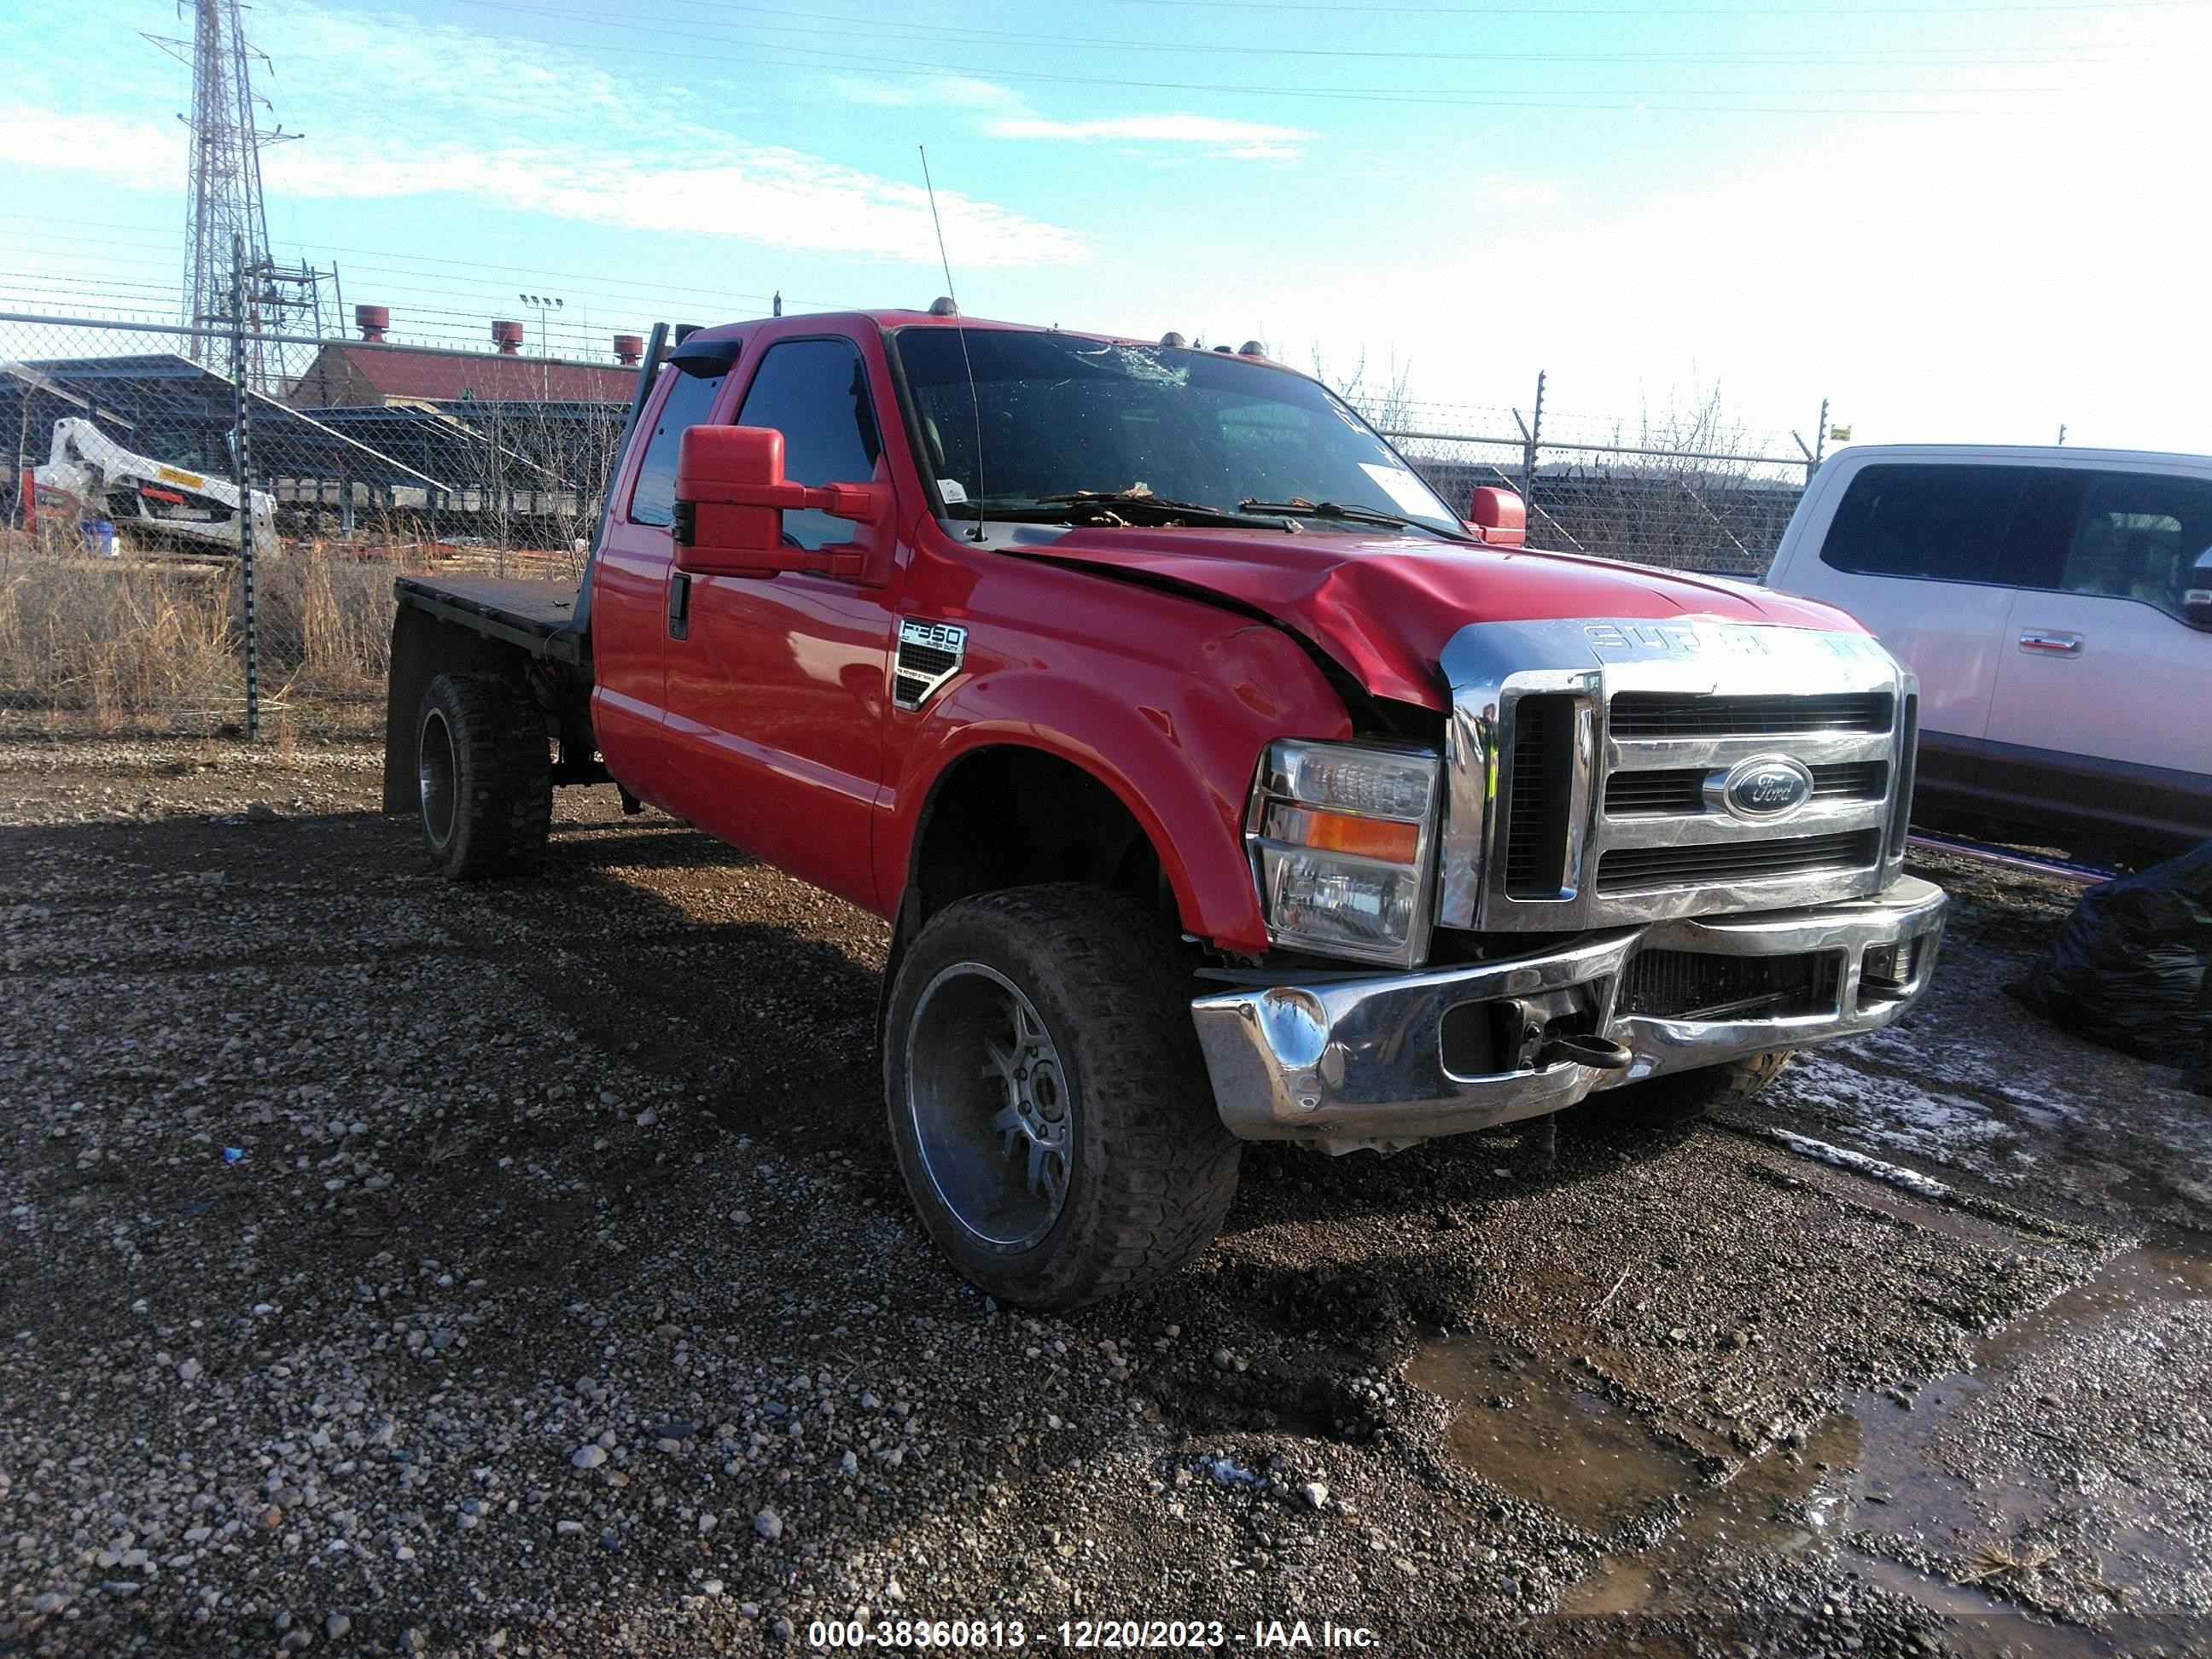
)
(1383, 605)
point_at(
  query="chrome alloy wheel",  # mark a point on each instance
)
(990, 1100)
(437, 777)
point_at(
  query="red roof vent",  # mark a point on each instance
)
(628, 348)
(372, 321)
(507, 337)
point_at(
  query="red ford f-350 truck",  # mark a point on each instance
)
(1221, 782)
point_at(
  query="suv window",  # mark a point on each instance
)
(816, 394)
(653, 501)
(2138, 537)
(1945, 522)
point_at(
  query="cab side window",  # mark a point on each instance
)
(689, 400)
(1944, 523)
(816, 394)
(2138, 536)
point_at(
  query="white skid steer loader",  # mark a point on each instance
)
(88, 476)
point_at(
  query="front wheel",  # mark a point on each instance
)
(1047, 1099)
(1681, 1097)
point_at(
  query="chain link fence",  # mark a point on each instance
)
(136, 595)
(1686, 491)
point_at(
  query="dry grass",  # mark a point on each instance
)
(114, 645)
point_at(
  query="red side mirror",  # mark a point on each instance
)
(731, 497)
(1499, 516)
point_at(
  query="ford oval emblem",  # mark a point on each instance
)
(1765, 786)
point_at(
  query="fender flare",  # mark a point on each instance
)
(1187, 800)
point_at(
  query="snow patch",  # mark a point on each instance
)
(1843, 1158)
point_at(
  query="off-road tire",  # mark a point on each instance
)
(1151, 1170)
(1681, 1097)
(484, 732)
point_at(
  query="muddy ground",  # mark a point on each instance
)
(394, 1267)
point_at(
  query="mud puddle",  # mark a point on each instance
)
(1532, 1428)
(1938, 1491)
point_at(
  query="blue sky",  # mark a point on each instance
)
(1956, 221)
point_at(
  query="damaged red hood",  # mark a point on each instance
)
(1383, 605)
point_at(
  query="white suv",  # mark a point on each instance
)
(2057, 605)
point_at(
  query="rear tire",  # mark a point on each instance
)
(483, 777)
(1681, 1097)
(1048, 1103)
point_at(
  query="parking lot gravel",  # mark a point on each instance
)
(399, 1267)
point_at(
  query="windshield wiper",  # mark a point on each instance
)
(1123, 506)
(1298, 508)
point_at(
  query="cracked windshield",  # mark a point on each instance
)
(1158, 429)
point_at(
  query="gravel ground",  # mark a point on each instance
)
(399, 1267)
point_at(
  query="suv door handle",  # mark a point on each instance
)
(2044, 643)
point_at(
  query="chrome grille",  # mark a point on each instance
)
(1706, 986)
(1661, 715)
(1589, 765)
(1682, 789)
(1536, 819)
(1627, 869)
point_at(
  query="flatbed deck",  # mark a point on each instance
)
(538, 617)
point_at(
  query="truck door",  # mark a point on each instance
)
(1918, 552)
(777, 690)
(2103, 688)
(630, 584)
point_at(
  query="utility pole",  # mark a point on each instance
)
(2062, 435)
(223, 207)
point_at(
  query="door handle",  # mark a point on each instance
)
(2042, 643)
(679, 605)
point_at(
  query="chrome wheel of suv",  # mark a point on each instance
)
(989, 1098)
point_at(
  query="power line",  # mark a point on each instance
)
(1951, 57)
(506, 274)
(1748, 14)
(908, 67)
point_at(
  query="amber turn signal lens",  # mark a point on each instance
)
(1342, 832)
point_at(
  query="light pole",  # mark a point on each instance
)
(541, 303)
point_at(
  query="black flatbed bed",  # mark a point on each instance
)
(539, 617)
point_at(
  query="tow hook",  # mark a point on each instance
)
(1603, 1054)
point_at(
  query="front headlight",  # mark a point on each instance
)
(1341, 837)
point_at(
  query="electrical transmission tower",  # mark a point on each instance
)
(226, 225)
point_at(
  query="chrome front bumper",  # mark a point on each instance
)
(1358, 1061)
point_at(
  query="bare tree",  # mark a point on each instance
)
(1382, 399)
(1683, 487)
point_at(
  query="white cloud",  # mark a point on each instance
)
(781, 197)
(393, 108)
(1002, 112)
(1246, 141)
(141, 155)
(957, 91)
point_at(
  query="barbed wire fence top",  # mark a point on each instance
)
(1688, 488)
